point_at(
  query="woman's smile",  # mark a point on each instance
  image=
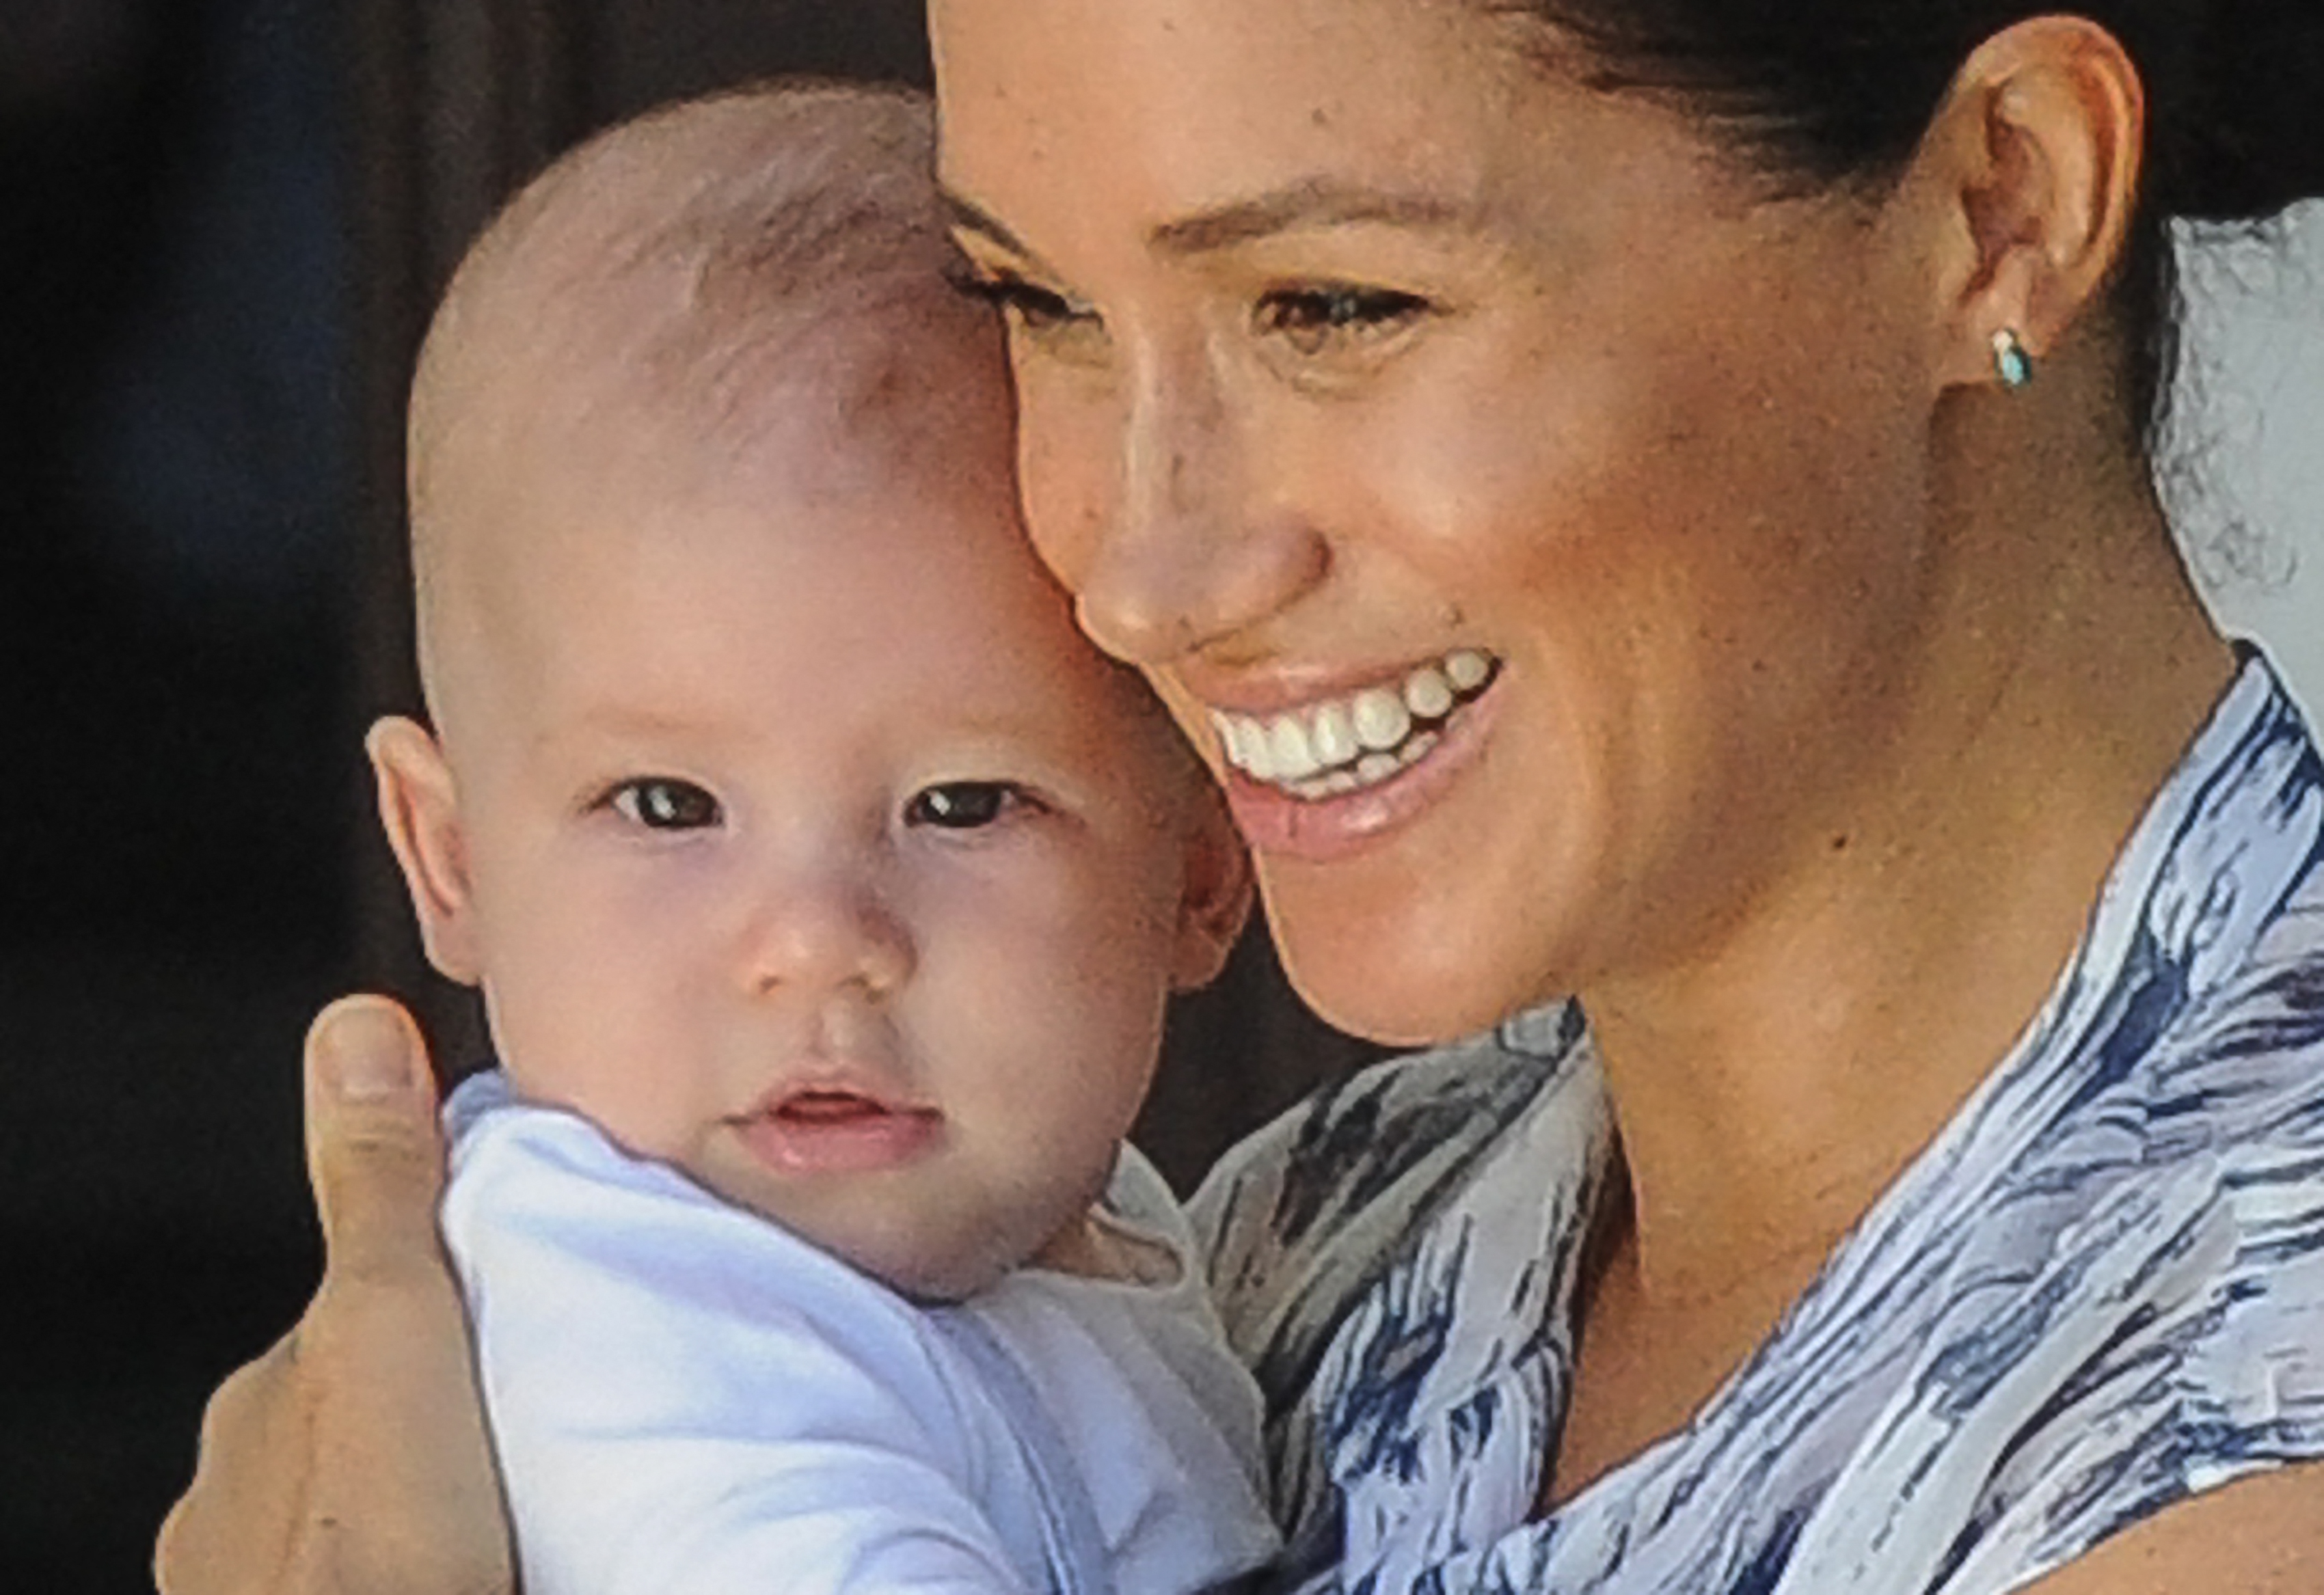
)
(1348, 742)
(1373, 760)
(1281, 529)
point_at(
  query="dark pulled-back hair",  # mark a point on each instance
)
(1816, 94)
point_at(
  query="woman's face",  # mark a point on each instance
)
(1524, 515)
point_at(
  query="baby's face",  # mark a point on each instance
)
(805, 844)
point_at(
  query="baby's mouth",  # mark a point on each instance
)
(828, 1106)
(832, 1129)
(1339, 746)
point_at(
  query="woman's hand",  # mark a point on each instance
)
(351, 1459)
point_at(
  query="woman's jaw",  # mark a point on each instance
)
(1392, 900)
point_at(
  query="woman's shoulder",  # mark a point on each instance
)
(1299, 1216)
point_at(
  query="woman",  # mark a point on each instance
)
(1645, 504)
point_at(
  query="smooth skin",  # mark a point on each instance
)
(781, 767)
(1962, 708)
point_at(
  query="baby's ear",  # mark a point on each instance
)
(1217, 896)
(419, 807)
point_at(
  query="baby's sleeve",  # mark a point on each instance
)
(686, 1400)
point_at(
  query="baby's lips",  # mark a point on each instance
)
(820, 1128)
(828, 1105)
(828, 1092)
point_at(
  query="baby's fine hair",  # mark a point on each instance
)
(689, 247)
(696, 263)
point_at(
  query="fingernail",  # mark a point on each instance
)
(366, 1053)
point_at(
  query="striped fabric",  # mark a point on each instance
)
(2100, 1289)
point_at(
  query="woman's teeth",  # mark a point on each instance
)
(1347, 743)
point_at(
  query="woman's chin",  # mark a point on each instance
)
(1400, 976)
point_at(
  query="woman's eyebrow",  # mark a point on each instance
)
(970, 217)
(1311, 202)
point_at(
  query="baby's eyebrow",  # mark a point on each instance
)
(618, 722)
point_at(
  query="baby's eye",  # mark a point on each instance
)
(1315, 319)
(964, 805)
(661, 803)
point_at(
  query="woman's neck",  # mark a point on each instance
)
(1772, 1080)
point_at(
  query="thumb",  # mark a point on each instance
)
(374, 1151)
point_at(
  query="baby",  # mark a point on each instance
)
(824, 889)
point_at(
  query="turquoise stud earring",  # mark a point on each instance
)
(2010, 362)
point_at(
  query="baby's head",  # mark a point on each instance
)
(791, 830)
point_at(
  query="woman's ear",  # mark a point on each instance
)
(2034, 163)
(419, 807)
(1215, 901)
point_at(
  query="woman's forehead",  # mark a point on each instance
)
(1180, 126)
(1197, 88)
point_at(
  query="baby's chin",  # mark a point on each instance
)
(1080, 1247)
(931, 1263)
(932, 1280)
(931, 1230)
(966, 1264)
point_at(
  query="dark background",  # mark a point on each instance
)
(222, 223)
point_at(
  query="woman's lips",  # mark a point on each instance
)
(836, 1130)
(1320, 828)
(1335, 743)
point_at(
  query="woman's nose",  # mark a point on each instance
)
(1196, 551)
(820, 932)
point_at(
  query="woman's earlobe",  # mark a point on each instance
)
(2042, 133)
(419, 808)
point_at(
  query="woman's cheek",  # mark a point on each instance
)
(1066, 468)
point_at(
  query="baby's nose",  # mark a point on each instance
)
(821, 933)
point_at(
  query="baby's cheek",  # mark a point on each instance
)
(1079, 951)
(609, 980)
(647, 1117)
(605, 1049)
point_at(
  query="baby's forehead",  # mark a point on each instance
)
(662, 341)
(697, 265)
(898, 389)
(873, 448)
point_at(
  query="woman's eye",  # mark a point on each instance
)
(661, 804)
(1026, 305)
(1313, 320)
(964, 805)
